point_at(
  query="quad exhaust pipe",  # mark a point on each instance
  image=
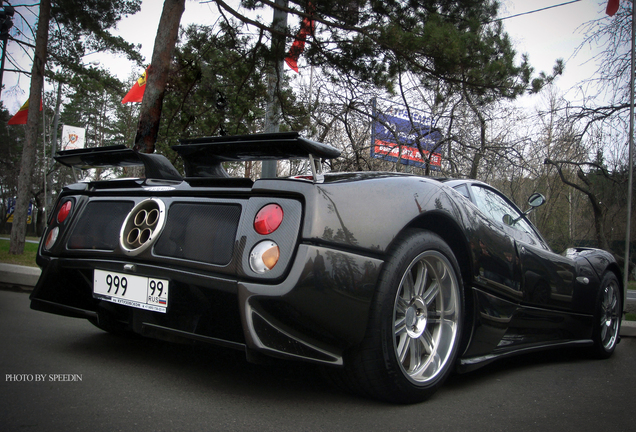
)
(142, 226)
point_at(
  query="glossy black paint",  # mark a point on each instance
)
(519, 295)
(156, 165)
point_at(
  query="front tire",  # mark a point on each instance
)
(415, 323)
(608, 315)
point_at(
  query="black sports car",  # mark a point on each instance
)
(392, 279)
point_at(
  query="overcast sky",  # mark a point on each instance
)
(544, 36)
(555, 33)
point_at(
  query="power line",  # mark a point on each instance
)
(536, 10)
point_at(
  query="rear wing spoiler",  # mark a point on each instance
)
(203, 156)
(157, 166)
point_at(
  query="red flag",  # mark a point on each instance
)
(21, 116)
(612, 7)
(306, 28)
(136, 93)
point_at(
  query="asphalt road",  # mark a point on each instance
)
(63, 374)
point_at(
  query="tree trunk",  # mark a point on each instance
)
(474, 169)
(157, 76)
(27, 166)
(599, 225)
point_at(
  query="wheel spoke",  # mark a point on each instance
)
(403, 348)
(604, 309)
(430, 364)
(427, 342)
(608, 300)
(401, 305)
(416, 354)
(421, 279)
(400, 326)
(434, 364)
(408, 287)
(434, 317)
(432, 293)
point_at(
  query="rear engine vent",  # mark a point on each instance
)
(99, 225)
(200, 232)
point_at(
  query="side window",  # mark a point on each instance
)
(492, 205)
(496, 207)
(462, 189)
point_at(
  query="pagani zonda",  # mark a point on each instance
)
(392, 279)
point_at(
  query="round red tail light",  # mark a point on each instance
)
(65, 210)
(268, 219)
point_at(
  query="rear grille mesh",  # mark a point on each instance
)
(200, 232)
(98, 227)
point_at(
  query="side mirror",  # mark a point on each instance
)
(536, 200)
(508, 220)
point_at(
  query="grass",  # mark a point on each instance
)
(26, 259)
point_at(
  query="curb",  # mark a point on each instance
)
(21, 277)
(628, 328)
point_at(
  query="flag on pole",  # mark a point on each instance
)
(21, 116)
(612, 7)
(136, 93)
(297, 48)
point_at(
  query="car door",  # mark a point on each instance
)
(496, 264)
(547, 279)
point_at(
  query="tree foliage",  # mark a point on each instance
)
(457, 42)
(216, 86)
(81, 27)
(78, 25)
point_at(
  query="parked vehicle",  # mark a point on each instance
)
(391, 280)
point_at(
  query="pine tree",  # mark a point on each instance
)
(78, 25)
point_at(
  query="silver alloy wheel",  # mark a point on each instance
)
(610, 316)
(426, 316)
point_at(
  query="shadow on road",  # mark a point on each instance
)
(204, 367)
(208, 368)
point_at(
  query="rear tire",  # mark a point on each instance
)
(607, 318)
(414, 325)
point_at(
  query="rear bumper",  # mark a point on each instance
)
(314, 314)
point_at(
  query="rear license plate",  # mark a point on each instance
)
(135, 291)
